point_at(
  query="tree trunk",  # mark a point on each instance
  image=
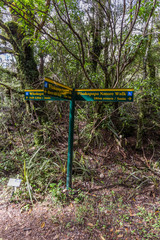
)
(26, 65)
(140, 126)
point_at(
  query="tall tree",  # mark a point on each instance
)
(100, 35)
(18, 37)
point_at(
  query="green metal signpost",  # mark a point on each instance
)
(70, 142)
(54, 91)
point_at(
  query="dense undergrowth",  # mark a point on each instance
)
(115, 186)
(36, 151)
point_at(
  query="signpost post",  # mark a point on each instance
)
(54, 91)
(70, 142)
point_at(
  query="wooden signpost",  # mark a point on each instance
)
(54, 91)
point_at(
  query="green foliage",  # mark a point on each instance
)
(16, 30)
(80, 48)
(152, 222)
(81, 213)
(38, 137)
(82, 168)
(57, 192)
(7, 166)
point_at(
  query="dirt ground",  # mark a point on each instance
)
(121, 220)
(120, 203)
(35, 223)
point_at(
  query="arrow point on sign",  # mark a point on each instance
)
(130, 93)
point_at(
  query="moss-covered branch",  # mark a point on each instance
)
(10, 37)
(4, 50)
(4, 38)
(4, 70)
(11, 88)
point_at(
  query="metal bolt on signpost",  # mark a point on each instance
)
(70, 143)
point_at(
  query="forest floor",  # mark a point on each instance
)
(120, 201)
(120, 219)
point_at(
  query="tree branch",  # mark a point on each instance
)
(5, 50)
(41, 25)
(4, 70)
(8, 32)
(11, 88)
(131, 58)
(72, 29)
(4, 38)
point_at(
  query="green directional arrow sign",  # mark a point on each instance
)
(38, 95)
(105, 95)
(55, 89)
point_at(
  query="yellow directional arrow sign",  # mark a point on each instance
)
(55, 89)
(105, 95)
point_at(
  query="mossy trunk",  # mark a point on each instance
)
(26, 65)
(27, 68)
